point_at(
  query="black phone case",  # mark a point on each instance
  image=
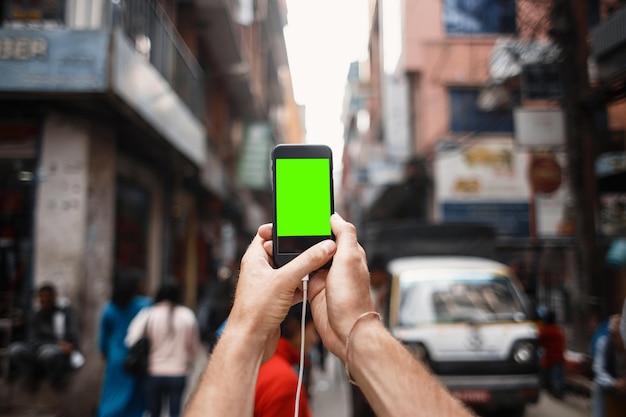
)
(297, 151)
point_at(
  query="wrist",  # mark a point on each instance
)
(244, 330)
(238, 341)
(362, 325)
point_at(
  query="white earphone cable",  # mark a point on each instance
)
(305, 289)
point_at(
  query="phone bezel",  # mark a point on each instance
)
(290, 151)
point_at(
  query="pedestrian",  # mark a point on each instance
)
(552, 342)
(51, 350)
(277, 385)
(393, 380)
(174, 342)
(121, 394)
(599, 325)
(609, 382)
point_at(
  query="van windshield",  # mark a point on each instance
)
(450, 295)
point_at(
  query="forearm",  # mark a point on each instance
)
(388, 375)
(226, 387)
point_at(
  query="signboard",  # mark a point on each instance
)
(53, 60)
(539, 127)
(509, 219)
(253, 169)
(613, 214)
(484, 169)
(484, 182)
(396, 113)
(554, 215)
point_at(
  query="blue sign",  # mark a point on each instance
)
(509, 219)
(464, 17)
(53, 60)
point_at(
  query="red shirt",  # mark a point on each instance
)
(552, 340)
(275, 394)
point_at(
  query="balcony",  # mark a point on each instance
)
(246, 44)
(147, 25)
(219, 30)
(225, 41)
(127, 54)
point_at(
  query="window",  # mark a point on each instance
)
(465, 116)
(131, 226)
(451, 295)
(30, 11)
(473, 17)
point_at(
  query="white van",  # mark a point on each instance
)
(468, 320)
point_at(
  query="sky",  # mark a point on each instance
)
(323, 37)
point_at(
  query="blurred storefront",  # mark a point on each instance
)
(608, 92)
(99, 142)
(476, 99)
(121, 127)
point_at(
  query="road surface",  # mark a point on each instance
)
(331, 397)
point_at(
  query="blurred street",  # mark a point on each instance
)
(478, 149)
(330, 394)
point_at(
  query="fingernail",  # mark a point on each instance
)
(328, 245)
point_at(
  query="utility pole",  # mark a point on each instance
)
(569, 30)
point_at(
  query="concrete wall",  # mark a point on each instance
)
(147, 177)
(98, 260)
(74, 218)
(61, 204)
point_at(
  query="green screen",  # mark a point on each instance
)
(303, 197)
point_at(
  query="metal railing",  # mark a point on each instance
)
(153, 34)
(148, 28)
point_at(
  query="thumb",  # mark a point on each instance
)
(310, 260)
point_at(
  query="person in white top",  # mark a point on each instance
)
(174, 342)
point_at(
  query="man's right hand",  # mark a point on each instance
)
(341, 294)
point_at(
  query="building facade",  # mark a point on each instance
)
(607, 90)
(474, 94)
(124, 127)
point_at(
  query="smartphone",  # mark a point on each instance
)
(302, 183)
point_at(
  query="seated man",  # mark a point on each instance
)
(52, 338)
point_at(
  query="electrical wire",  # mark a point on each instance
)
(305, 290)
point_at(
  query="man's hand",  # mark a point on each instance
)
(264, 294)
(341, 294)
(338, 295)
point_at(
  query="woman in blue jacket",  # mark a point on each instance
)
(121, 393)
